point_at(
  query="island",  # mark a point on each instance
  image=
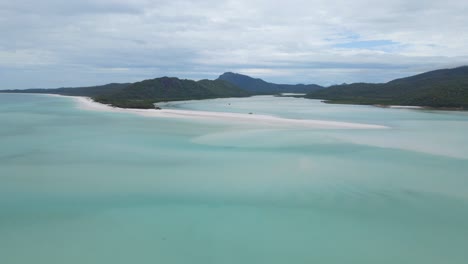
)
(441, 89)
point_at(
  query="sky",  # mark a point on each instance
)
(57, 43)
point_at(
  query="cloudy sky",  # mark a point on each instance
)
(54, 43)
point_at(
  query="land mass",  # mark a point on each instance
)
(145, 94)
(90, 91)
(259, 86)
(447, 88)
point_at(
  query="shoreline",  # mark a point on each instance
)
(86, 103)
(401, 106)
(409, 107)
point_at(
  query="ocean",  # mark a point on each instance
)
(79, 185)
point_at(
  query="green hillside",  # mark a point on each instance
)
(145, 93)
(446, 88)
(259, 86)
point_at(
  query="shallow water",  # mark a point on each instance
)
(80, 186)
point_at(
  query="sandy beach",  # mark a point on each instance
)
(405, 107)
(87, 103)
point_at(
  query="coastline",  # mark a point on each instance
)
(409, 107)
(86, 103)
(422, 107)
(399, 106)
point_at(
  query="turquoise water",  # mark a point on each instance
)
(80, 186)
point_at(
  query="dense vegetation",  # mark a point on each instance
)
(446, 88)
(145, 93)
(259, 86)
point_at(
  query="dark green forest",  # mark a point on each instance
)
(145, 93)
(446, 88)
(259, 86)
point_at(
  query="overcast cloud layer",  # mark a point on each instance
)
(53, 43)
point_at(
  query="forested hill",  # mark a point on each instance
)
(447, 88)
(259, 86)
(145, 93)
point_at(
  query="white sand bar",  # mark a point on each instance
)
(405, 107)
(88, 104)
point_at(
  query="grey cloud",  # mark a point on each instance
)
(67, 8)
(88, 42)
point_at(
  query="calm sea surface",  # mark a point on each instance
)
(81, 186)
